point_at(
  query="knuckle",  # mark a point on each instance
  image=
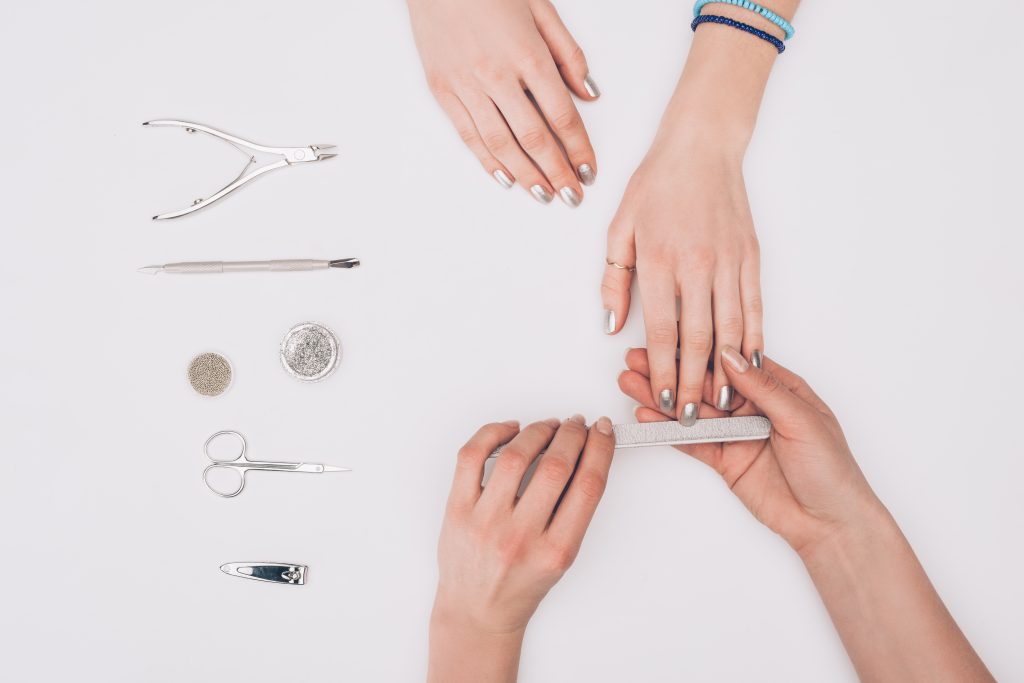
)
(533, 140)
(468, 135)
(438, 83)
(497, 141)
(467, 457)
(592, 485)
(662, 332)
(753, 304)
(730, 326)
(611, 286)
(554, 472)
(576, 59)
(768, 383)
(488, 71)
(558, 558)
(700, 258)
(512, 461)
(697, 341)
(566, 121)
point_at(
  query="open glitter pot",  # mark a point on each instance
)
(310, 352)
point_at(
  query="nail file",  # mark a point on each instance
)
(671, 433)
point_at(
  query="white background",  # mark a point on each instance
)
(885, 181)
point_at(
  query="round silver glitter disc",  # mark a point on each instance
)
(209, 374)
(310, 352)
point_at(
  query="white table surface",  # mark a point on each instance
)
(885, 181)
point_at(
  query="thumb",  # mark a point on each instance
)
(772, 397)
(568, 55)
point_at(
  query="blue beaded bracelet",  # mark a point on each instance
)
(771, 16)
(726, 21)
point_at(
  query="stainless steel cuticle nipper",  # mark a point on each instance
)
(288, 156)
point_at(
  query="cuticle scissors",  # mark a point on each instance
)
(289, 156)
(242, 465)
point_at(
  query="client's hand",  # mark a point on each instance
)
(499, 554)
(803, 482)
(503, 71)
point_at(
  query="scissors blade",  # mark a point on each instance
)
(317, 468)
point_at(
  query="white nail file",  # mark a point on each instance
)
(671, 433)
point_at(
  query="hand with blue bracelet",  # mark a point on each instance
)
(684, 227)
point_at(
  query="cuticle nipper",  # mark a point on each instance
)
(289, 156)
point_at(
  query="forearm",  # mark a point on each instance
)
(891, 620)
(719, 93)
(462, 653)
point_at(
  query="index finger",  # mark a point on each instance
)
(584, 493)
(469, 467)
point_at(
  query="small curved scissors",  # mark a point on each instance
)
(241, 465)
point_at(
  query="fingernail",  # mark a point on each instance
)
(725, 397)
(590, 86)
(587, 175)
(604, 426)
(734, 359)
(666, 401)
(552, 422)
(578, 419)
(503, 179)
(569, 196)
(609, 321)
(511, 423)
(541, 194)
(756, 358)
(689, 416)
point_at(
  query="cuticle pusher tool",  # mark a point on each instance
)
(276, 266)
(671, 433)
(288, 156)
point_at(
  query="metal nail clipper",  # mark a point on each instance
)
(271, 572)
(287, 157)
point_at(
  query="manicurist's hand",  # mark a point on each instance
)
(804, 484)
(499, 554)
(484, 60)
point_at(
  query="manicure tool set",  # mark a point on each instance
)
(309, 351)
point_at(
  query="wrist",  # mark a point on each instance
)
(462, 650)
(845, 542)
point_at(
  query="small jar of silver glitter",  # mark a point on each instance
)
(310, 352)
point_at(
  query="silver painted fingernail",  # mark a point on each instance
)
(666, 401)
(503, 179)
(569, 196)
(590, 86)
(689, 416)
(725, 398)
(609, 321)
(587, 175)
(541, 194)
(755, 358)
